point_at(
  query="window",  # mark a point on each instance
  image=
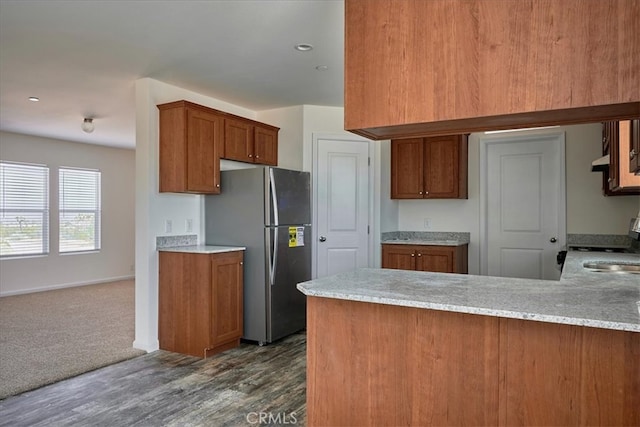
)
(24, 209)
(79, 210)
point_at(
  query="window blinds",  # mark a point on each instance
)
(80, 210)
(24, 209)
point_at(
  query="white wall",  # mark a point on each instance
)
(290, 136)
(115, 260)
(152, 207)
(588, 210)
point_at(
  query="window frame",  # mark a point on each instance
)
(44, 211)
(97, 212)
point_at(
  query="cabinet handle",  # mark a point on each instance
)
(604, 139)
(633, 153)
(421, 193)
(250, 155)
(257, 157)
(217, 185)
(426, 193)
(413, 254)
(419, 254)
(610, 180)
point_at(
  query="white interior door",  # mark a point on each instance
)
(341, 205)
(525, 206)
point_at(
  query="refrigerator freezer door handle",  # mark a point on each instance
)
(274, 198)
(274, 257)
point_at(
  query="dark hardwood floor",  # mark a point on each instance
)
(246, 386)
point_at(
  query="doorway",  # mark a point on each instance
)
(523, 205)
(342, 204)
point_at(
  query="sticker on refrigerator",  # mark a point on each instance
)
(296, 236)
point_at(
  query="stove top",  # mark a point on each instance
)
(599, 248)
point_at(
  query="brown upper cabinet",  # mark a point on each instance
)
(190, 143)
(250, 142)
(634, 147)
(429, 168)
(421, 68)
(194, 138)
(617, 142)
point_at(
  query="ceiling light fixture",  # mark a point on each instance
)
(322, 68)
(489, 132)
(303, 47)
(87, 125)
(34, 99)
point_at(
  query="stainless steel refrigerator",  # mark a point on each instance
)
(267, 210)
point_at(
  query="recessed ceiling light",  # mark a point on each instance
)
(322, 68)
(303, 47)
(34, 98)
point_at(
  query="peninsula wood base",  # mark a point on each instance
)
(375, 364)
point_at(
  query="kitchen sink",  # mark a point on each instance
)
(613, 268)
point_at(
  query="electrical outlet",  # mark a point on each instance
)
(188, 225)
(427, 223)
(168, 226)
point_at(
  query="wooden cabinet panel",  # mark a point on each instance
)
(384, 365)
(251, 142)
(429, 168)
(401, 257)
(436, 259)
(199, 302)
(266, 145)
(378, 364)
(407, 168)
(238, 140)
(617, 138)
(417, 67)
(190, 143)
(226, 298)
(567, 375)
(441, 259)
(634, 147)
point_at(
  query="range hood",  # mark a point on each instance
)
(600, 164)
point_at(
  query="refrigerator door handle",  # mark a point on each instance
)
(274, 256)
(274, 198)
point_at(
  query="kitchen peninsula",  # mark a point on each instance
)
(392, 347)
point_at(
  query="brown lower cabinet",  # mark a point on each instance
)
(379, 364)
(200, 302)
(439, 259)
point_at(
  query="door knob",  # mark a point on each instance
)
(322, 239)
(553, 240)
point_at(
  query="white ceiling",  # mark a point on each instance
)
(82, 58)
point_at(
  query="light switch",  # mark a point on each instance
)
(188, 225)
(427, 223)
(168, 226)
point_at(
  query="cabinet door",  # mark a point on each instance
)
(407, 168)
(238, 140)
(265, 146)
(634, 147)
(204, 137)
(226, 297)
(445, 163)
(437, 259)
(401, 257)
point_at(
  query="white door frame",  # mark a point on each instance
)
(314, 190)
(485, 141)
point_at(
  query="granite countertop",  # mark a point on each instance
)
(425, 242)
(202, 249)
(433, 238)
(581, 297)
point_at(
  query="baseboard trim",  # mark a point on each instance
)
(65, 285)
(148, 347)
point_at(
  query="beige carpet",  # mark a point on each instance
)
(49, 336)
